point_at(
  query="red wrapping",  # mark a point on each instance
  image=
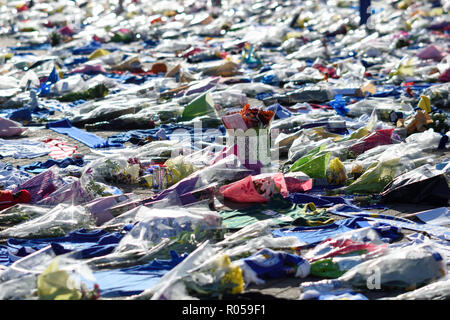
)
(372, 140)
(296, 185)
(244, 190)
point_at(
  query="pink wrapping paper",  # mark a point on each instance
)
(431, 52)
(244, 190)
(372, 140)
(9, 128)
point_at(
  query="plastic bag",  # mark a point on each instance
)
(375, 178)
(55, 284)
(439, 290)
(424, 140)
(334, 257)
(200, 106)
(19, 289)
(439, 94)
(55, 223)
(404, 269)
(73, 83)
(273, 264)
(179, 168)
(155, 224)
(374, 139)
(169, 286)
(252, 245)
(111, 169)
(20, 213)
(229, 98)
(382, 106)
(199, 184)
(257, 188)
(427, 184)
(314, 167)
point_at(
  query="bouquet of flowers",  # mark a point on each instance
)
(221, 276)
(255, 189)
(248, 118)
(255, 149)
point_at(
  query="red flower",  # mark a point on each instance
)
(254, 117)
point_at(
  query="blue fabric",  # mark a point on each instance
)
(149, 43)
(264, 69)
(439, 232)
(277, 264)
(315, 235)
(342, 295)
(137, 79)
(22, 114)
(280, 111)
(134, 280)
(53, 77)
(119, 77)
(338, 104)
(44, 89)
(4, 256)
(91, 140)
(263, 95)
(51, 105)
(87, 49)
(39, 166)
(21, 54)
(87, 244)
(136, 134)
(318, 200)
(443, 142)
(364, 13)
(141, 134)
(270, 79)
(43, 46)
(41, 113)
(443, 164)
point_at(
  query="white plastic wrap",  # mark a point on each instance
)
(362, 235)
(262, 242)
(382, 106)
(57, 222)
(156, 224)
(73, 83)
(165, 287)
(403, 268)
(439, 290)
(425, 140)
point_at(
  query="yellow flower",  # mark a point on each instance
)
(56, 284)
(234, 275)
(404, 70)
(425, 103)
(223, 262)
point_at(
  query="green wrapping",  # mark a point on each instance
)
(313, 166)
(375, 178)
